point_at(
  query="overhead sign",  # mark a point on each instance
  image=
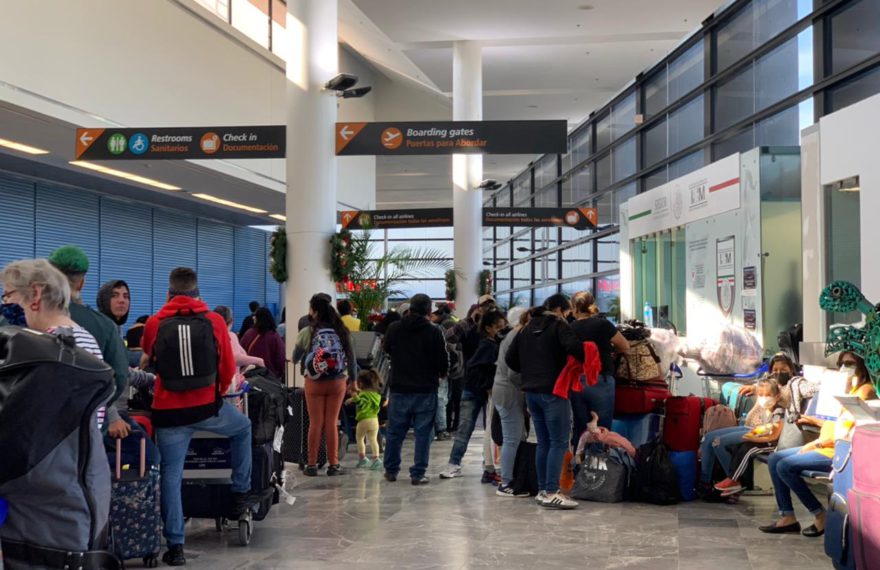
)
(381, 219)
(709, 191)
(452, 137)
(181, 143)
(578, 218)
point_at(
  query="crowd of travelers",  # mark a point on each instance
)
(446, 374)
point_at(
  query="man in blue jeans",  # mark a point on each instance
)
(419, 360)
(189, 347)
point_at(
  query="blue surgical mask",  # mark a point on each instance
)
(14, 314)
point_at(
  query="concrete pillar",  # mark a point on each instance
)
(313, 59)
(467, 173)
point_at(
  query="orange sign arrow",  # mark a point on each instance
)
(347, 217)
(85, 138)
(590, 214)
(345, 133)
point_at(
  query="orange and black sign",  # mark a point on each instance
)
(578, 218)
(181, 143)
(452, 137)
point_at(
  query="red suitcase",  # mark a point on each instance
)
(682, 427)
(864, 496)
(632, 398)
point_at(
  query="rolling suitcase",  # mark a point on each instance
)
(632, 398)
(135, 515)
(864, 496)
(525, 471)
(838, 528)
(638, 429)
(295, 444)
(682, 427)
(730, 394)
(685, 464)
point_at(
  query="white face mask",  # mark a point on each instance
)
(850, 371)
(766, 401)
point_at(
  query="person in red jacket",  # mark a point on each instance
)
(189, 348)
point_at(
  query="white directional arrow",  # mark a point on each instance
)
(86, 139)
(345, 133)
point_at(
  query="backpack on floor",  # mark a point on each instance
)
(185, 352)
(326, 358)
(57, 484)
(718, 417)
(655, 480)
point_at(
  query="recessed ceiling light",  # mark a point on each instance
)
(125, 175)
(585, 7)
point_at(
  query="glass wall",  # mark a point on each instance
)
(749, 77)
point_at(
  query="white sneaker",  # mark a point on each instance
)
(452, 471)
(541, 497)
(558, 501)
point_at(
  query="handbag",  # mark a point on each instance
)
(640, 363)
(601, 479)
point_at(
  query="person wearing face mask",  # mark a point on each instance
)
(781, 367)
(767, 417)
(11, 314)
(787, 465)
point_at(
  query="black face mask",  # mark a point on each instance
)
(13, 314)
(783, 377)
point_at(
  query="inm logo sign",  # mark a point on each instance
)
(698, 195)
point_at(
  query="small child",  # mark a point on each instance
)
(367, 402)
(767, 417)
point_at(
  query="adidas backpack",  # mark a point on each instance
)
(327, 357)
(185, 352)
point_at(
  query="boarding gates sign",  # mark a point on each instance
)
(709, 191)
(180, 143)
(452, 137)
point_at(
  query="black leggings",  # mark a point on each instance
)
(456, 385)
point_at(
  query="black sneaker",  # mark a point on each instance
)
(174, 556)
(423, 480)
(490, 477)
(333, 470)
(390, 477)
(311, 471)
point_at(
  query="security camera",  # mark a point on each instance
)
(489, 184)
(341, 82)
(354, 93)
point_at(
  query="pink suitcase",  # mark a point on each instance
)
(864, 497)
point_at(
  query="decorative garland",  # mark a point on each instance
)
(450, 285)
(278, 254)
(484, 284)
(340, 245)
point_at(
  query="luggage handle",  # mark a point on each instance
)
(143, 458)
(845, 462)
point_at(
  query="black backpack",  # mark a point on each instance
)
(185, 352)
(655, 479)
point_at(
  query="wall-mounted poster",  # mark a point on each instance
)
(725, 250)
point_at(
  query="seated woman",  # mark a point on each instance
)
(768, 414)
(716, 443)
(787, 466)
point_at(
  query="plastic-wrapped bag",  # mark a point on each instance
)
(727, 349)
(666, 344)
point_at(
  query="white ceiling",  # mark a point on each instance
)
(548, 59)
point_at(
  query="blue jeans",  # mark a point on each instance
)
(786, 467)
(551, 417)
(709, 453)
(599, 399)
(512, 426)
(405, 410)
(173, 445)
(471, 404)
(442, 400)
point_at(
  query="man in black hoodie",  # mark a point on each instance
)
(418, 360)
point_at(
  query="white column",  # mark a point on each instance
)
(467, 173)
(313, 59)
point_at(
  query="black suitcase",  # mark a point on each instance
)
(525, 469)
(295, 444)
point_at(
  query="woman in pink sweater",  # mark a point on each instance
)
(263, 341)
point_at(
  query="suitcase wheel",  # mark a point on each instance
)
(151, 561)
(244, 532)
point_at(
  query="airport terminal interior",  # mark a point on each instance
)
(461, 284)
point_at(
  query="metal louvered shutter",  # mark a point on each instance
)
(174, 245)
(17, 197)
(127, 252)
(250, 271)
(65, 216)
(215, 263)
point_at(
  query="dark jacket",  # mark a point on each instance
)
(418, 355)
(540, 350)
(480, 374)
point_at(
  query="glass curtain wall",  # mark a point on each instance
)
(755, 74)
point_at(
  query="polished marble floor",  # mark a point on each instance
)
(360, 521)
